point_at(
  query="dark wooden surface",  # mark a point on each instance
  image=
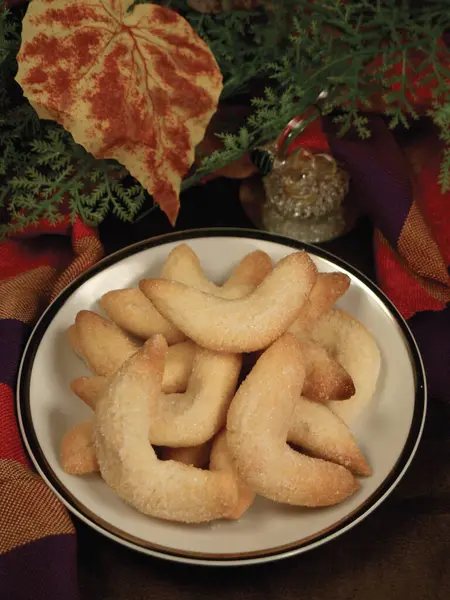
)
(400, 552)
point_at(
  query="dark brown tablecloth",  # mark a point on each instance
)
(400, 552)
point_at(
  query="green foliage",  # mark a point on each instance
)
(42, 169)
(334, 57)
(49, 170)
(328, 56)
(9, 42)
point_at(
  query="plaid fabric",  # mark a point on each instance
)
(37, 538)
(397, 186)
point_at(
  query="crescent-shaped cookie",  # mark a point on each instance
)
(189, 418)
(103, 346)
(347, 340)
(329, 287)
(195, 416)
(74, 341)
(128, 464)
(315, 428)
(178, 366)
(241, 325)
(196, 456)
(177, 370)
(134, 313)
(77, 454)
(222, 460)
(257, 429)
(89, 389)
(184, 266)
(325, 377)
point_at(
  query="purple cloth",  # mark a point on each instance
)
(53, 556)
(414, 223)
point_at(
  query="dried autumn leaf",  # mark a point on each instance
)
(139, 87)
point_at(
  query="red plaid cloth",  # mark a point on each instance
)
(397, 186)
(416, 277)
(37, 541)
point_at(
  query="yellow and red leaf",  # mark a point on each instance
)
(139, 87)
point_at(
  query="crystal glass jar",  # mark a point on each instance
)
(305, 196)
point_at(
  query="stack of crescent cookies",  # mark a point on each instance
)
(204, 396)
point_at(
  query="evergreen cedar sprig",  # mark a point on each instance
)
(323, 51)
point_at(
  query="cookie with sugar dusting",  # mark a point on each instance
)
(196, 456)
(353, 346)
(258, 426)
(222, 460)
(128, 463)
(102, 345)
(241, 325)
(134, 313)
(77, 455)
(327, 290)
(325, 378)
(131, 310)
(184, 266)
(315, 428)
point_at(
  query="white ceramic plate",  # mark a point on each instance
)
(388, 430)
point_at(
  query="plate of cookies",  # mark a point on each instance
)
(221, 397)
